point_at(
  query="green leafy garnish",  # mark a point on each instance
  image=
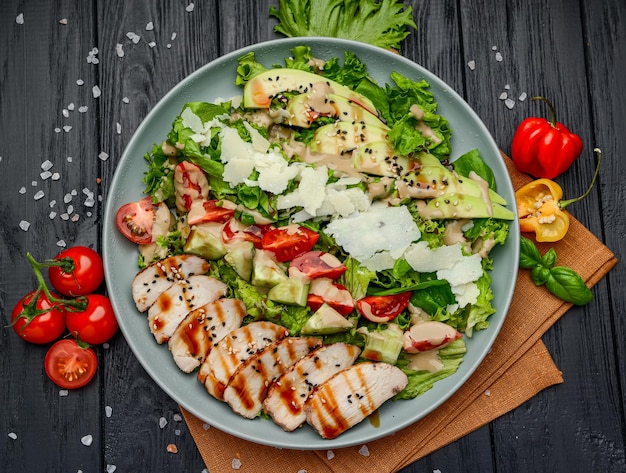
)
(382, 23)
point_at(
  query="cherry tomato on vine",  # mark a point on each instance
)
(80, 273)
(69, 365)
(42, 322)
(96, 324)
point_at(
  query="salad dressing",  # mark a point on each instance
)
(421, 126)
(425, 361)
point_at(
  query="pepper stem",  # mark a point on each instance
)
(565, 203)
(551, 107)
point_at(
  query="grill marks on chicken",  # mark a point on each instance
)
(202, 329)
(233, 350)
(173, 305)
(156, 278)
(351, 395)
(287, 395)
(248, 386)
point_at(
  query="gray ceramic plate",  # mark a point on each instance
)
(216, 80)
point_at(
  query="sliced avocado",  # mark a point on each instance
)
(291, 291)
(384, 345)
(461, 206)
(304, 109)
(326, 321)
(239, 256)
(203, 242)
(259, 91)
(343, 137)
(266, 272)
(378, 158)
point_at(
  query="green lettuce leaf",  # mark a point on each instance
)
(383, 23)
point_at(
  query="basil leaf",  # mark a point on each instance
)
(540, 275)
(529, 254)
(567, 285)
(549, 258)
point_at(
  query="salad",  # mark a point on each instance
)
(329, 204)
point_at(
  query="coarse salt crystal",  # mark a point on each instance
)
(52, 203)
(63, 21)
(83, 109)
(67, 198)
(22, 190)
(70, 209)
(523, 96)
(364, 451)
(510, 103)
(45, 175)
(95, 91)
(189, 8)
(24, 225)
(487, 392)
(177, 432)
(125, 100)
(65, 113)
(80, 82)
(177, 417)
(104, 345)
(118, 128)
(65, 217)
(63, 392)
(168, 45)
(86, 440)
(472, 65)
(67, 128)
(236, 464)
(499, 56)
(56, 176)
(69, 159)
(149, 26)
(61, 244)
(13, 435)
(34, 183)
(108, 411)
(173, 37)
(39, 195)
(103, 156)
(503, 96)
(302, 471)
(19, 19)
(119, 50)
(57, 130)
(152, 44)
(46, 165)
(162, 422)
(494, 48)
(206, 426)
(111, 468)
(52, 215)
(330, 455)
(70, 107)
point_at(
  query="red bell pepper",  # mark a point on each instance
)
(544, 148)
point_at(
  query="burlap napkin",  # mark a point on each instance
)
(517, 367)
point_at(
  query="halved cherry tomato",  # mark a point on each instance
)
(202, 211)
(288, 242)
(236, 230)
(190, 183)
(80, 274)
(135, 220)
(317, 264)
(96, 324)
(41, 323)
(69, 365)
(324, 290)
(381, 309)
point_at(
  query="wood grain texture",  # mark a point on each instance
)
(573, 52)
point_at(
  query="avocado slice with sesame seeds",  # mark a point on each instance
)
(458, 206)
(344, 137)
(378, 159)
(304, 109)
(262, 88)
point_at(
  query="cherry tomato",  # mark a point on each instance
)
(381, 309)
(288, 242)
(235, 230)
(81, 274)
(317, 264)
(96, 324)
(69, 365)
(324, 290)
(42, 323)
(135, 220)
(210, 211)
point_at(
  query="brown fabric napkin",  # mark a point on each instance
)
(517, 367)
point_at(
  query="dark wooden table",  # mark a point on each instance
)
(573, 52)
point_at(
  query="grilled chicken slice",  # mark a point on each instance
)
(173, 305)
(152, 281)
(287, 395)
(202, 329)
(351, 395)
(233, 350)
(247, 388)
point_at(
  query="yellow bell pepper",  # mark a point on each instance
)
(540, 207)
